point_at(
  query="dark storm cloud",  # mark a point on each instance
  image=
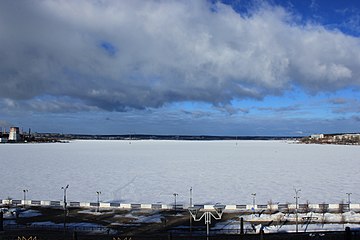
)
(121, 55)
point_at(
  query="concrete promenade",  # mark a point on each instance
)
(322, 207)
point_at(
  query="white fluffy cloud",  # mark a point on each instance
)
(117, 55)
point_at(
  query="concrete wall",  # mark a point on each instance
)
(248, 207)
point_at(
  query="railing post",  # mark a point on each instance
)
(261, 234)
(1, 221)
(347, 233)
(242, 226)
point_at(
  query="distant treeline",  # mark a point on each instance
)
(158, 137)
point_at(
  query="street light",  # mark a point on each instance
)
(65, 203)
(349, 199)
(191, 197)
(296, 206)
(219, 209)
(175, 194)
(254, 198)
(25, 191)
(65, 188)
(98, 200)
(191, 206)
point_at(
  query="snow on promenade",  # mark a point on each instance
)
(151, 171)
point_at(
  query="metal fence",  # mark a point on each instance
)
(351, 235)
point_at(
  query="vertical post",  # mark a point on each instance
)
(98, 201)
(1, 221)
(254, 198)
(190, 206)
(65, 204)
(241, 225)
(25, 191)
(191, 197)
(296, 207)
(175, 194)
(261, 234)
(207, 221)
(349, 202)
(75, 237)
(347, 233)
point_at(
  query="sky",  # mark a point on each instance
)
(205, 67)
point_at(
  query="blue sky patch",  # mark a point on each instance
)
(109, 48)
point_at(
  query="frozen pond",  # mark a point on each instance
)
(151, 171)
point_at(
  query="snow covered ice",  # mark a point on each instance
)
(151, 171)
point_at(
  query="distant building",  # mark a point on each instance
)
(335, 138)
(14, 135)
(4, 136)
(317, 136)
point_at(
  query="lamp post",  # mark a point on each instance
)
(65, 204)
(65, 188)
(191, 197)
(219, 209)
(191, 205)
(254, 198)
(25, 191)
(175, 195)
(296, 207)
(349, 199)
(98, 200)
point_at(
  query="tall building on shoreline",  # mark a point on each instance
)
(14, 134)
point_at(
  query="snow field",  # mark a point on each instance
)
(151, 171)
